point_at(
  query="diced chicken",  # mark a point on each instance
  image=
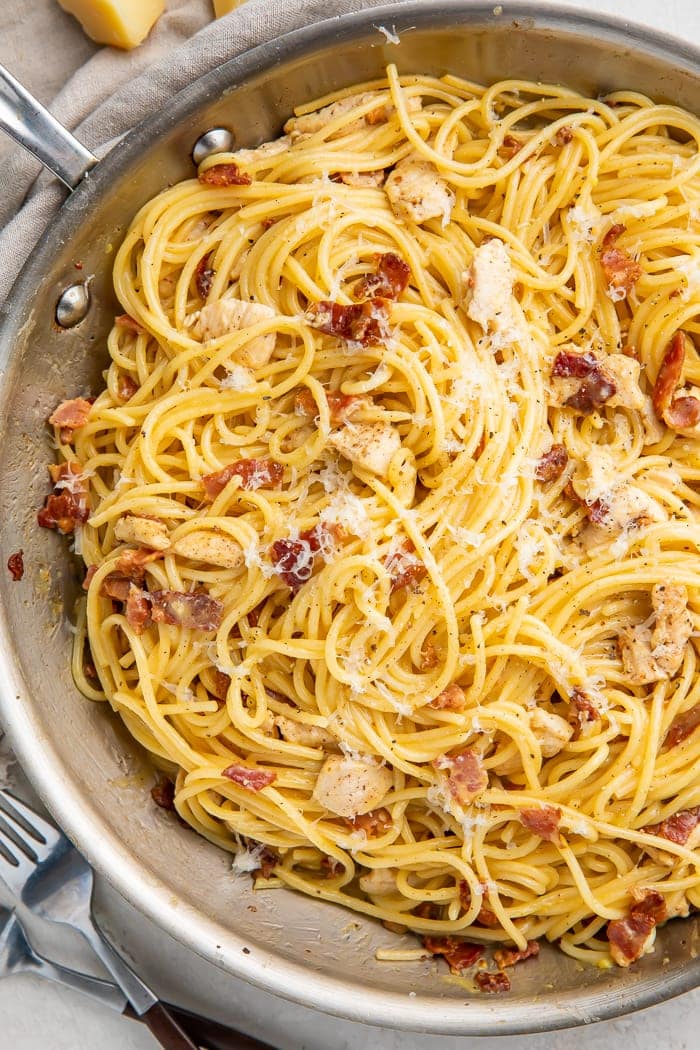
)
(371, 446)
(263, 152)
(624, 372)
(350, 786)
(380, 882)
(614, 504)
(362, 179)
(142, 532)
(233, 315)
(551, 731)
(490, 283)
(310, 123)
(211, 547)
(655, 655)
(417, 192)
(303, 733)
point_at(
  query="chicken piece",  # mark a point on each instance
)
(380, 882)
(362, 179)
(613, 503)
(371, 446)
(256, 156)
(417, 192)
(351, 786)
(624, 372)
(233, 315)
(211, 547)
(551, 731)
(303, 733)
(490, 283)
(142, 532)
(656, 655)
(310, 123)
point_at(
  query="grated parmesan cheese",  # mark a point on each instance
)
(237, 378)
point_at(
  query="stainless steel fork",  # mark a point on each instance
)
(53, 880)
(18, 956)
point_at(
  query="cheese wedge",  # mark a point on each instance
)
(223, 7)
(119, 23)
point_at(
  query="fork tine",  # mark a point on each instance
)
(15, 866)
(29, 822)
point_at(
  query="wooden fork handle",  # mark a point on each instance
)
(166, 1029)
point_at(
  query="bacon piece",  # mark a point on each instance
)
(543, 821)
(677, 828)
(466, 776)
(376, 822)
(615, 231)
(294, 560)
(678, 413)
(126, 387)
(340, 406)
(163, 794)
(485, 917)
(133, 562)
(224, 175)
(67, 506)
(430, 657)
(221, 685)
(552, 464)
(91, 570)
(621, 271)
(254, 474)
(390, 280)
(510, 146)
(492, 982)
(204, 276)
(249, 778)
(683, 726)
(116, 586)
(137, 609)
(365, 323)
(649, 902)
(331, 867)
(568, 365)
(630, 938)
(586, 710)
(594, 391)
(405, 569)
(268, 862)
(130, 323)
(15, 565)
(683, 413)
(564, 136)
(450, 699)
(460, 955)
(195, 610)
(504, 957)
(71, 415)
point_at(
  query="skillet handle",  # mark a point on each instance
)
(32, 126)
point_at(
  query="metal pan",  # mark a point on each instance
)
(89, 772)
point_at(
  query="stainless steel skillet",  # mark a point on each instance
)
(89, 772)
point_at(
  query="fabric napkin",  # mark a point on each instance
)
(115, 90)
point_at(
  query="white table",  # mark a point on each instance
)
(37, 1016)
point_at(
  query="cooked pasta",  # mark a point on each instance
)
(390, 510)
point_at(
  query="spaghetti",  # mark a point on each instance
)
(390, 510)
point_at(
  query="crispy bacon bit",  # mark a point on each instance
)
(126, 321)
(543, 821)
(649, 902)
(597, 386)
(67, 506)
(294, 560)
(91, 570)
(683, 726)
(163, 794)
(70, 416)
(137, 609)
(15, 565)
(116, 586)
(390, 280)
(493, 982)
(485, 917)
(204, 276)
(224, 175)
(568, 365)
(268, 862)
(254, 474)
(429, 656)
(631, 351)
(552, 464)
(621, 271)
(586, 710)
(340, 406)
(221, 684)
(679, 413)
(376, 822)
(365, 323)
(195, 610)
(460, 955)
(133, 562)
(564, 136)
(677, 828)
(126, 387)
(450, 699)
(466, 776)
(615, 231)
(404, 568)
(249, 778)
(504, 957)
(630, 937)
(511, 145)
(331, 867)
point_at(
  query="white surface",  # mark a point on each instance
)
(37, 1016)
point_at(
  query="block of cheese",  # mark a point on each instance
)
(120, 23)
(223, 7)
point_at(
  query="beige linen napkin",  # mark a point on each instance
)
(115, 90)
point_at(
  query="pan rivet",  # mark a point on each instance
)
(216, 140)
(73, 305)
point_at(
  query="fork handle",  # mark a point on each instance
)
(103, 992)
(166, 1029)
